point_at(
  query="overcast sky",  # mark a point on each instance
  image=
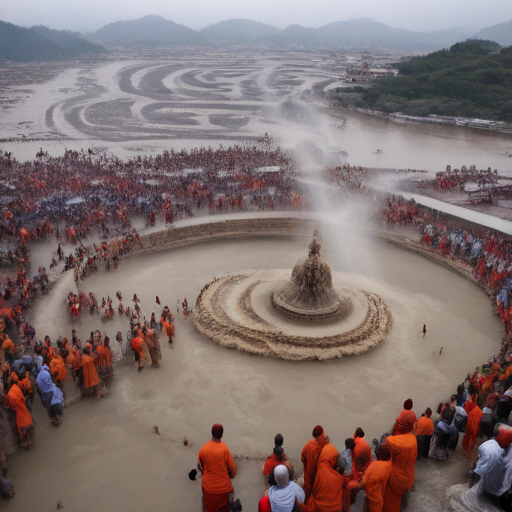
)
(90, 15)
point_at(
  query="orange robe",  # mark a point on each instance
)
(271, 463)
(218, 467)
(69, 358)
(328, 487)
(91, 378)
(361, 457)
(404, 452)
(137, 344)
(15, 400)
(374, 482)
(58, 368)
(101, 352)
(309, 457)
(77, 359)
(25, 386)
(425, 426)
(472, 429)
(405, 418)
(9, 345)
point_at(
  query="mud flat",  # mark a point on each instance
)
(105, 456)
(184, 99)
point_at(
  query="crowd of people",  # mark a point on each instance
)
(453, 180)
(82, 193)
(331, 479)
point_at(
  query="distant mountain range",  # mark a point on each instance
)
(239, 30)
(150, 30)
(42, 43)
(501, 33)
(153, 30)
(369, 32)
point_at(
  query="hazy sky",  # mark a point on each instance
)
(424, 15)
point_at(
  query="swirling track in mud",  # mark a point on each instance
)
(208, 99)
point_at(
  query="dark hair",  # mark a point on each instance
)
(447, 414)
(278, 440)
(350, 444)
(460, 389)
(279, 452)
(383, 452)
(359, 432)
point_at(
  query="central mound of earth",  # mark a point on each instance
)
(310, 295)
(307, 317)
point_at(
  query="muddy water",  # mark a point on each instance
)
(105, 457)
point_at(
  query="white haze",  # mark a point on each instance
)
(342, 220)
(421, 16)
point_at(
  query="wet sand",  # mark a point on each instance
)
(220, 97)
(105, 456)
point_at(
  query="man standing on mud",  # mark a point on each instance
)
(218, 467)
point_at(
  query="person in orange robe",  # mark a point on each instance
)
(218, 468)
(170, 332)
(8, 348)
(26, 388)
(375, 480)
(362, 454)
(277, 457)
(472, 429)
(77, 366)
(16, 401)
(108, 362)
(69, 359)
(424, 431)
(58, 369)
(361, 459)
(91, 380)
(327, 490)
(404, 452)
(137, 345)
(101, 361)
(404, 418)
(153, 346)
(309, 457)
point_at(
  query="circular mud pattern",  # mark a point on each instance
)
(237, 311)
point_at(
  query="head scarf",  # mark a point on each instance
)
(504, 439)
(44, 380)
(281, 475)
(264, 505)
(317, 431)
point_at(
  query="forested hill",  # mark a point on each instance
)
(41, 43)
(471, 79)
